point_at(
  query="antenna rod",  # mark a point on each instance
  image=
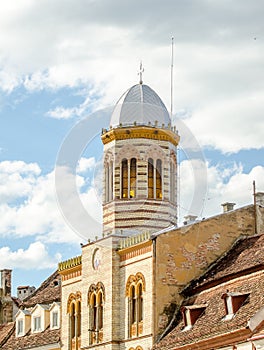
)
(172, 58)
(255, 207)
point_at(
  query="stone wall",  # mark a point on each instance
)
(185, 253)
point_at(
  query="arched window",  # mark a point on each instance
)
(150, 178)
(159, 179)
(72, 321)
(109, 178)
(96, 313)
(78, 321)
(133, 305)
(124, 179)
(173, 181)
(111, 181)
(93, 312)
(154, 178)
(140, 302)
(133, 177)
(100, 310)
(74, 312)
(134, 289)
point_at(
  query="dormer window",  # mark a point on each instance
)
(55, 315)
(37, 324)
(40, 319)
(22, 322)
(20, 327)
(55, 319)
(233, 301)
(190, 315)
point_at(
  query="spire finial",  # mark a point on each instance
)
(140, 73)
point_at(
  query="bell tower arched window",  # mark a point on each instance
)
(150, 178)
(124, 178)
(133, 177)
(155, 178)
(159, 179)
(128, 178)
(173, 181)
(109, 178)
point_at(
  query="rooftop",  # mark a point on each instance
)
(142, 105)
(48, 292)
(240, 271)
(49, 336)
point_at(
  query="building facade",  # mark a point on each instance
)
(124, 291)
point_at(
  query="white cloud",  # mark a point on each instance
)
(218, 62)
(17, 179)
(62, 113)
(35, 257)
(29, 204)
(85, 164)
(230, 185)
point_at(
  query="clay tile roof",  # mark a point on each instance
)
(48, 292)
(17, 301)
(49, 336)
(242, 271)
(246, 254)
(211, 323)
(5, 331)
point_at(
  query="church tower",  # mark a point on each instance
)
(140, 165)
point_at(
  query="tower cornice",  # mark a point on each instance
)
(145, 132)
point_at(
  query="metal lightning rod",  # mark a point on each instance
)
(172, 58)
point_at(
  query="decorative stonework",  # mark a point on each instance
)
(70, 263)
(136, 132)
(132, 240)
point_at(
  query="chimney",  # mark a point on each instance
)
(189, 219)
(5, 282)
(228, 206)
(260, 198)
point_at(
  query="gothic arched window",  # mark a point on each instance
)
(134, 290)
(74, 312)
(72, 321)
(96, 313)
(140, 302)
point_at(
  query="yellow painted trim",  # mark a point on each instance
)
(135, 132)
(70, 269)
(134, 247)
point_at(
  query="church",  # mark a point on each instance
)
(124, 291)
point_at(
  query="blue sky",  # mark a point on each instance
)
(61, 61)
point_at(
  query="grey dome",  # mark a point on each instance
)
(142, 105)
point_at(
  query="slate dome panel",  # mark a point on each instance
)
(142, 105)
